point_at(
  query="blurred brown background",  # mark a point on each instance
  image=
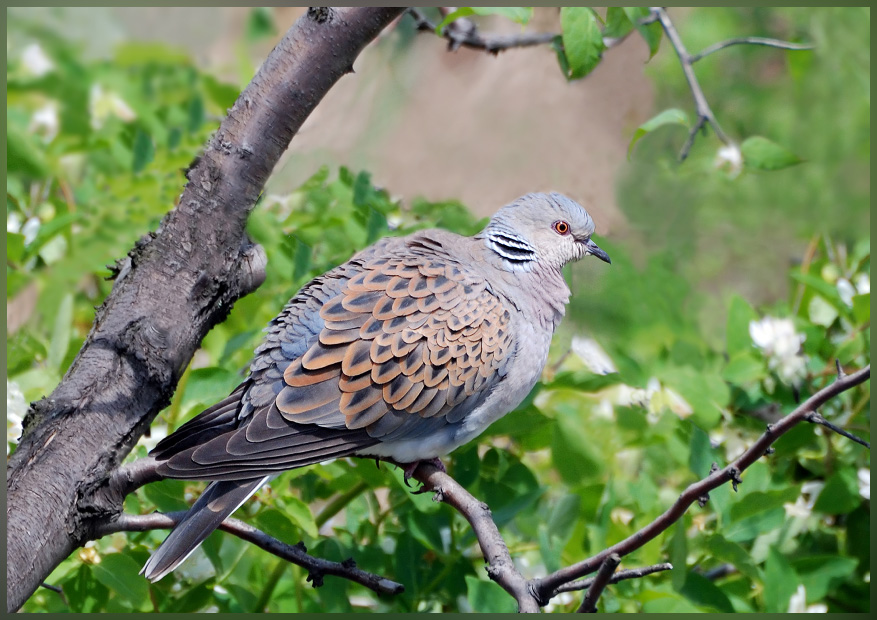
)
(428, 122)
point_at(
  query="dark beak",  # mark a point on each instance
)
(595, 250)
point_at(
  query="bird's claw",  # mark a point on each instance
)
(409, 468)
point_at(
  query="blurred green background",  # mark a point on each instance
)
(101, 126)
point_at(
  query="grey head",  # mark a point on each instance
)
(547, 230)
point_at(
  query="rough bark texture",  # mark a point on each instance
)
(175, 284)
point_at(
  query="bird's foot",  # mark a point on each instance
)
(408, 468)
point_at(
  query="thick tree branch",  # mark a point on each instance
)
(175, 285)
(297, 554)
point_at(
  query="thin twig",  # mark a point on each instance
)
(704, 112)
(57, 590)
(731, 473)
(715, 47)
(721, 571)
(604, 575)
(702, 107)
(622, 575)
(296, 554)
(468, 35)
(815, 418)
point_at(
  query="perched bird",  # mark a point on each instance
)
(405, 352)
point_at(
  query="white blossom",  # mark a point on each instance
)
(846, 290)
(16, 408)
(798, 603)
(197, 568)
(803, 506)
(864, 477)
(45, 121)
(730, 158)
(30, 229)
(102, 105)
(395, 221)
(157, 432)
(593, 355)
(35, 61)
(13, 221)
(780, 344)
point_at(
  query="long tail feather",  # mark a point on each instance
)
(218, 501)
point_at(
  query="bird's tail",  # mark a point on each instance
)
(218, 501)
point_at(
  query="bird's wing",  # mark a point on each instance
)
(404, 344)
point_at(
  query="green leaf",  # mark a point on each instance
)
(861, 308)
(278, 524)
(144, 151)
(14, 246)
(260, 24)
(651, 33)
(195, 114)
(702, 388)
(780, 582)
(823, 288)
(571, 452)
(673, 116)
(743, 369)
(759, 502)
(679, 555)
(582, 40)
(301, 260)
(727, 551)
(618, 25)
(222, 94)
(564, 515)
(518, 14)
(120, 573)
(557, 44)
(821, 574)
(488, 597)
(61, 333)
(83, 594)
(167, 495)
(59, 224)
(702, 455)
(840, 494)
(737, 338)
(23, 155)
(300, 513)
(703, 592)
(145, 53)
(760, 512)
(208, 385)
(761, 154)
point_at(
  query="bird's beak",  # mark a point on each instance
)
(594, 249)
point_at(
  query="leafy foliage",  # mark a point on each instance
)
(587, 460)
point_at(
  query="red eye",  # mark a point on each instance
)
(561, 227)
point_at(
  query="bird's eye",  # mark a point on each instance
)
(561, 227)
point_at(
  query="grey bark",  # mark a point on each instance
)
(175, 284)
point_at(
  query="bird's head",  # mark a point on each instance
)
(541, 229)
